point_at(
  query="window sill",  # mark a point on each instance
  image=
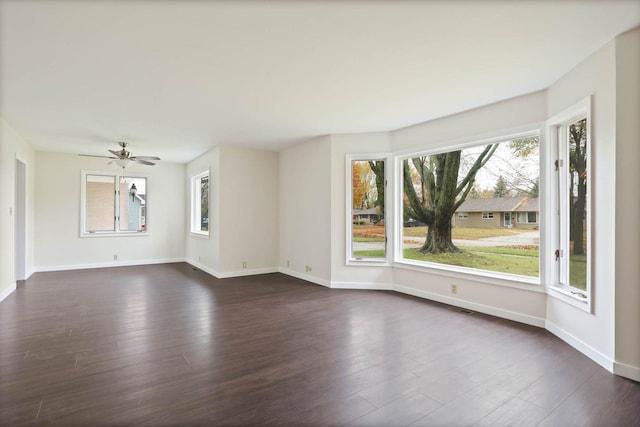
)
(567, 295)
(115, 234)
(368, 262)
(483, 276)
(200, 235)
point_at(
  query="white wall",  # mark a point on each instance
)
(244, 222)
(57, 221)
(13, 146)
(200, 251)
(248, 210)
(306, 210)
(627, 235)
(593, 333)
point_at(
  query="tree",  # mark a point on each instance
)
(439, 192)
(500, 189)
(578, 183)
(377, 166)
(358, 186)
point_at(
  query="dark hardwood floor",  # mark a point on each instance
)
(170, 345)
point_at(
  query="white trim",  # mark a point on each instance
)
(195, 205)
(481, 308)
(581, 346)
(126, 263)
(564, 294)
(627, 371)
(559, 289)
(349, 159)
(230, 274)
(10, 289)
(117, 176)
(247, 272)
(306, 277)
(363, 286)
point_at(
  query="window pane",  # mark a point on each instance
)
(133, 204)
(459, 207)
(577, 137)
(367, 209)
(204, 203)
(100, 201)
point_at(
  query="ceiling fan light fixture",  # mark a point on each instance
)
(124, 163)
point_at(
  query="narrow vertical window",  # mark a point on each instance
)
(574, 197)
(366, 205)
(200, 203)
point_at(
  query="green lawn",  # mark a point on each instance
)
(466, 233)
(505, 260)
(578, 271)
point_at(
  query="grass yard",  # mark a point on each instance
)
(578, 271)
(466, 233)
(500, 259)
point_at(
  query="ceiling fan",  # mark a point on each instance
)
(124, 159)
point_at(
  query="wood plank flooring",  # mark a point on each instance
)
(170, 345)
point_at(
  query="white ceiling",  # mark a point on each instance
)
(175, 78)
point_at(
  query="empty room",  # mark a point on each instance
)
(324, 213)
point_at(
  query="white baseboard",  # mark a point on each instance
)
(363, 286)
(8, 291)
(108, 264)
(303, 276)
(627, 371)
(581, 346)
(481, 308)
(247, 272)
(229, 274)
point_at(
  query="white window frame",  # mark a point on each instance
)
(485, 276)
(487, 215)
(558, 277)
(363, 261)
(117, 232)
(196, 219)
(463, 215)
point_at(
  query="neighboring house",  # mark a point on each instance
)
(366, 216)
(518, 212)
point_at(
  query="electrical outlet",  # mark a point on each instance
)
(454, 289)
(307, 268)
(244, 264)
(287, 263)
(115, 257)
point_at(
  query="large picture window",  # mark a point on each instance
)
(200, 204)
(367, 239)
(459, 207)
(113, 204)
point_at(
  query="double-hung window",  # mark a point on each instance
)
(200, 204)
(113, 204)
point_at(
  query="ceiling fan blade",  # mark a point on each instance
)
(145, 158)
(118, 154)
(91, 155)
(143, 162)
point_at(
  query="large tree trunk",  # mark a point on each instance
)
(440, 194)
(578, 218)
